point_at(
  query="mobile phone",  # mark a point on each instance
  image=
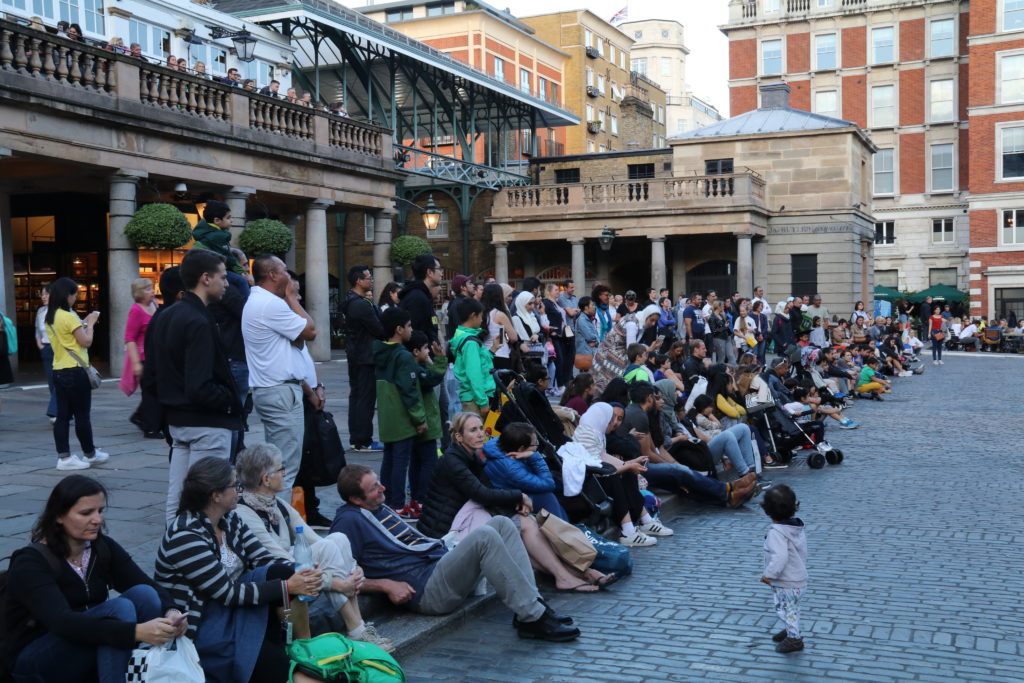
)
(179, 621)
(661, 337)
(645, 460)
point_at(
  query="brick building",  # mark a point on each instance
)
(898, 69)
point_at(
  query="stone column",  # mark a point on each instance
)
(744, 282)
(604, 267)
(316, 298)
(760, 249)
(579, 265)
(501, 262)
(382, 224)
(236, 198)
(658, 278)
(122, 262)
(7, 301)
(678, 269)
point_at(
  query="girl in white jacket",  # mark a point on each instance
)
(785, 563)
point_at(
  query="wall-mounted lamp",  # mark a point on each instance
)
(245, 44)
(606, 238)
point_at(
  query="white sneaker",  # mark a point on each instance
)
(906, 373)
(935, 362)
(97, 457)
(942, 362)
(638, 540)
(72, 462)
(656, 528)
(371, 635)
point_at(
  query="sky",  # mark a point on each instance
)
(707, 66)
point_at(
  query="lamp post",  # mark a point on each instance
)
(431, 214)
(606, 238)
(245, 44)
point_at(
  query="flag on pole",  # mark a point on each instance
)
(619, 16)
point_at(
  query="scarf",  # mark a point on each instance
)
(265, 503)
(596, 419)
(526, 317)
(604, 319)
(668, 390)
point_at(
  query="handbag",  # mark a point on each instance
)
(699, 388)
(333, 657)
(939, 336)
(92, 373)
(611, 556)
(584, 362)
(322, 453)
(174, 662)
(568, 542)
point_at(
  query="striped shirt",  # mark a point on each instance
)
(188, 565)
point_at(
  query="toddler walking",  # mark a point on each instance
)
(785, 563)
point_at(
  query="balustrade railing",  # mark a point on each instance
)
(165, 88)
(281, 117)
(353, 136)
(41, 55)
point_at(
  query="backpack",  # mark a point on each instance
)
(11, 332)
(334, 658)
(806, 322)
(322, 452)
(453, 350)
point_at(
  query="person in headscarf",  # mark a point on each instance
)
(610, 360)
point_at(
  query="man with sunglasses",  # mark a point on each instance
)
(362, 326)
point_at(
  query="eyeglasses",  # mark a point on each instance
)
(237, 486)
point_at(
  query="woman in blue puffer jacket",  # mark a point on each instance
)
(513, 462)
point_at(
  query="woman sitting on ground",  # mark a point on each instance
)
(663, 370)
(462, 499)
(61, 623)
(580, 393)
(732, 442)
(514, 462)
(859, 331)
(225, 581)
(275, 525)
(722, 390)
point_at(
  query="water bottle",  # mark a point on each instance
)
(303, 556)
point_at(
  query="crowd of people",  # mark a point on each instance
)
(660, 397)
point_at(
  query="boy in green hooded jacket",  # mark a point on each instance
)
(473, 362)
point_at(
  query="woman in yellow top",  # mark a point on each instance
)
(70, 337)
(722, 389)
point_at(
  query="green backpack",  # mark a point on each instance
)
(334, 658)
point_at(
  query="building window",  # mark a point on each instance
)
(661, 114)
(1012, 153)
(1013, 226)
(638, 34)
(602, 149)
(590, 113)
(883, 106)
(887, 278)
(942, 230)
(153, 40)
(524, 80)
(67, 9)
(542, 88)
(826, 103)
(600, 83)
(615, 124)
(441, 10)
(883, 45)
(499, 68)
(94, 16)
(883, 172)
(1013, 14)
(825, 51)
(771, 57)
(590, 146)
(640, 171)
(215, 59)
(259, 71)
(941, 106)
(771, 6)
(942, 168)
(369, 226)
(666, 66)
(804, 274)
(600, 46)
(824, 3)
(43, 8)
(590, 77)
(639, 65)
(942, 276)
(1010, 299)
(941, 39)
(622, 59)
(396, 15)
(885, 232)
(567, 175)
(442, 226)
(718, 166)
(588, 37)
(1011, 78)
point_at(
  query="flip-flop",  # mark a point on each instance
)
(576, 589)
(607, 580)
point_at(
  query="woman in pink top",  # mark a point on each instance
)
(134, 347)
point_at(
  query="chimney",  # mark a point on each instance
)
(775, 95)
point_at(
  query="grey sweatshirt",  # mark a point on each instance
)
(785, 554)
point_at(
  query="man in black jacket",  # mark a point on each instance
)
(171, 289)
(417, 295)
(193, 378)
(362, 326)
(695, 366)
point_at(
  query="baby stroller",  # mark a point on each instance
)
(789, 439)
(522, 401)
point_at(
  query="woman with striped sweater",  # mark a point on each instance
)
(225, 582)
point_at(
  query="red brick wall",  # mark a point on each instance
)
(966, 26)
(911, 163)
(983, 17)
(855, 46)
(911, 96)
(983, 71)
(800, 97)
(742, 98)
(963, 149)
(855, 99)
(502, 51)
(911, 40)
(983, 164)
(798, 53)
(448, 42)
(963, 88)
(984, 224)
(742, 60)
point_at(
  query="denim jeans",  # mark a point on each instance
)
(51, 658)
(74, 397)
(47, 355)
(407, 459)
(734, 442)
(674, 476)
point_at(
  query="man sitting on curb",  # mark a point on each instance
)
(413, 569)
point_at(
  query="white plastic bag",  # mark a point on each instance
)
(175, 662)
(700, 387)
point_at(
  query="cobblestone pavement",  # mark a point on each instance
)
(915, 563)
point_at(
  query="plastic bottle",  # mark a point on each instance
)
(303, 556)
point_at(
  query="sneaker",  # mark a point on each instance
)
(790, 645)
(316, 519)
(370, 635)
(72, 462)
(775, 465)
(847, 423)
(408, 512)
(906, 373)
(373, 447)
(638, 540)
(942, 362)
(935, 362)
(764, 482)
(98, 456)
(416, 507)
(655, 528)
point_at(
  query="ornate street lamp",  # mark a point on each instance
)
(245, 44)
(431, 214)
(606, 238)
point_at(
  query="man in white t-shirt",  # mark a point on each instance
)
(969, 336)
(766, 307)
(276, 328)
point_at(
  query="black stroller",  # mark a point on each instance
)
(522, 401)
(789, 440)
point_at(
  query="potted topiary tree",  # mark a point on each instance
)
(158, 226)
(266, 236)
(404, 251)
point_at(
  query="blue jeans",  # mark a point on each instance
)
(47, 355)
(402, 458)
(74, 397)
(673, 477)
(936, 347)
(734, 442)
(51, 658)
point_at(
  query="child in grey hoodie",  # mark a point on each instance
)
(785, 563)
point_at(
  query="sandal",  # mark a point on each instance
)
(607, 580)
(576, 589)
